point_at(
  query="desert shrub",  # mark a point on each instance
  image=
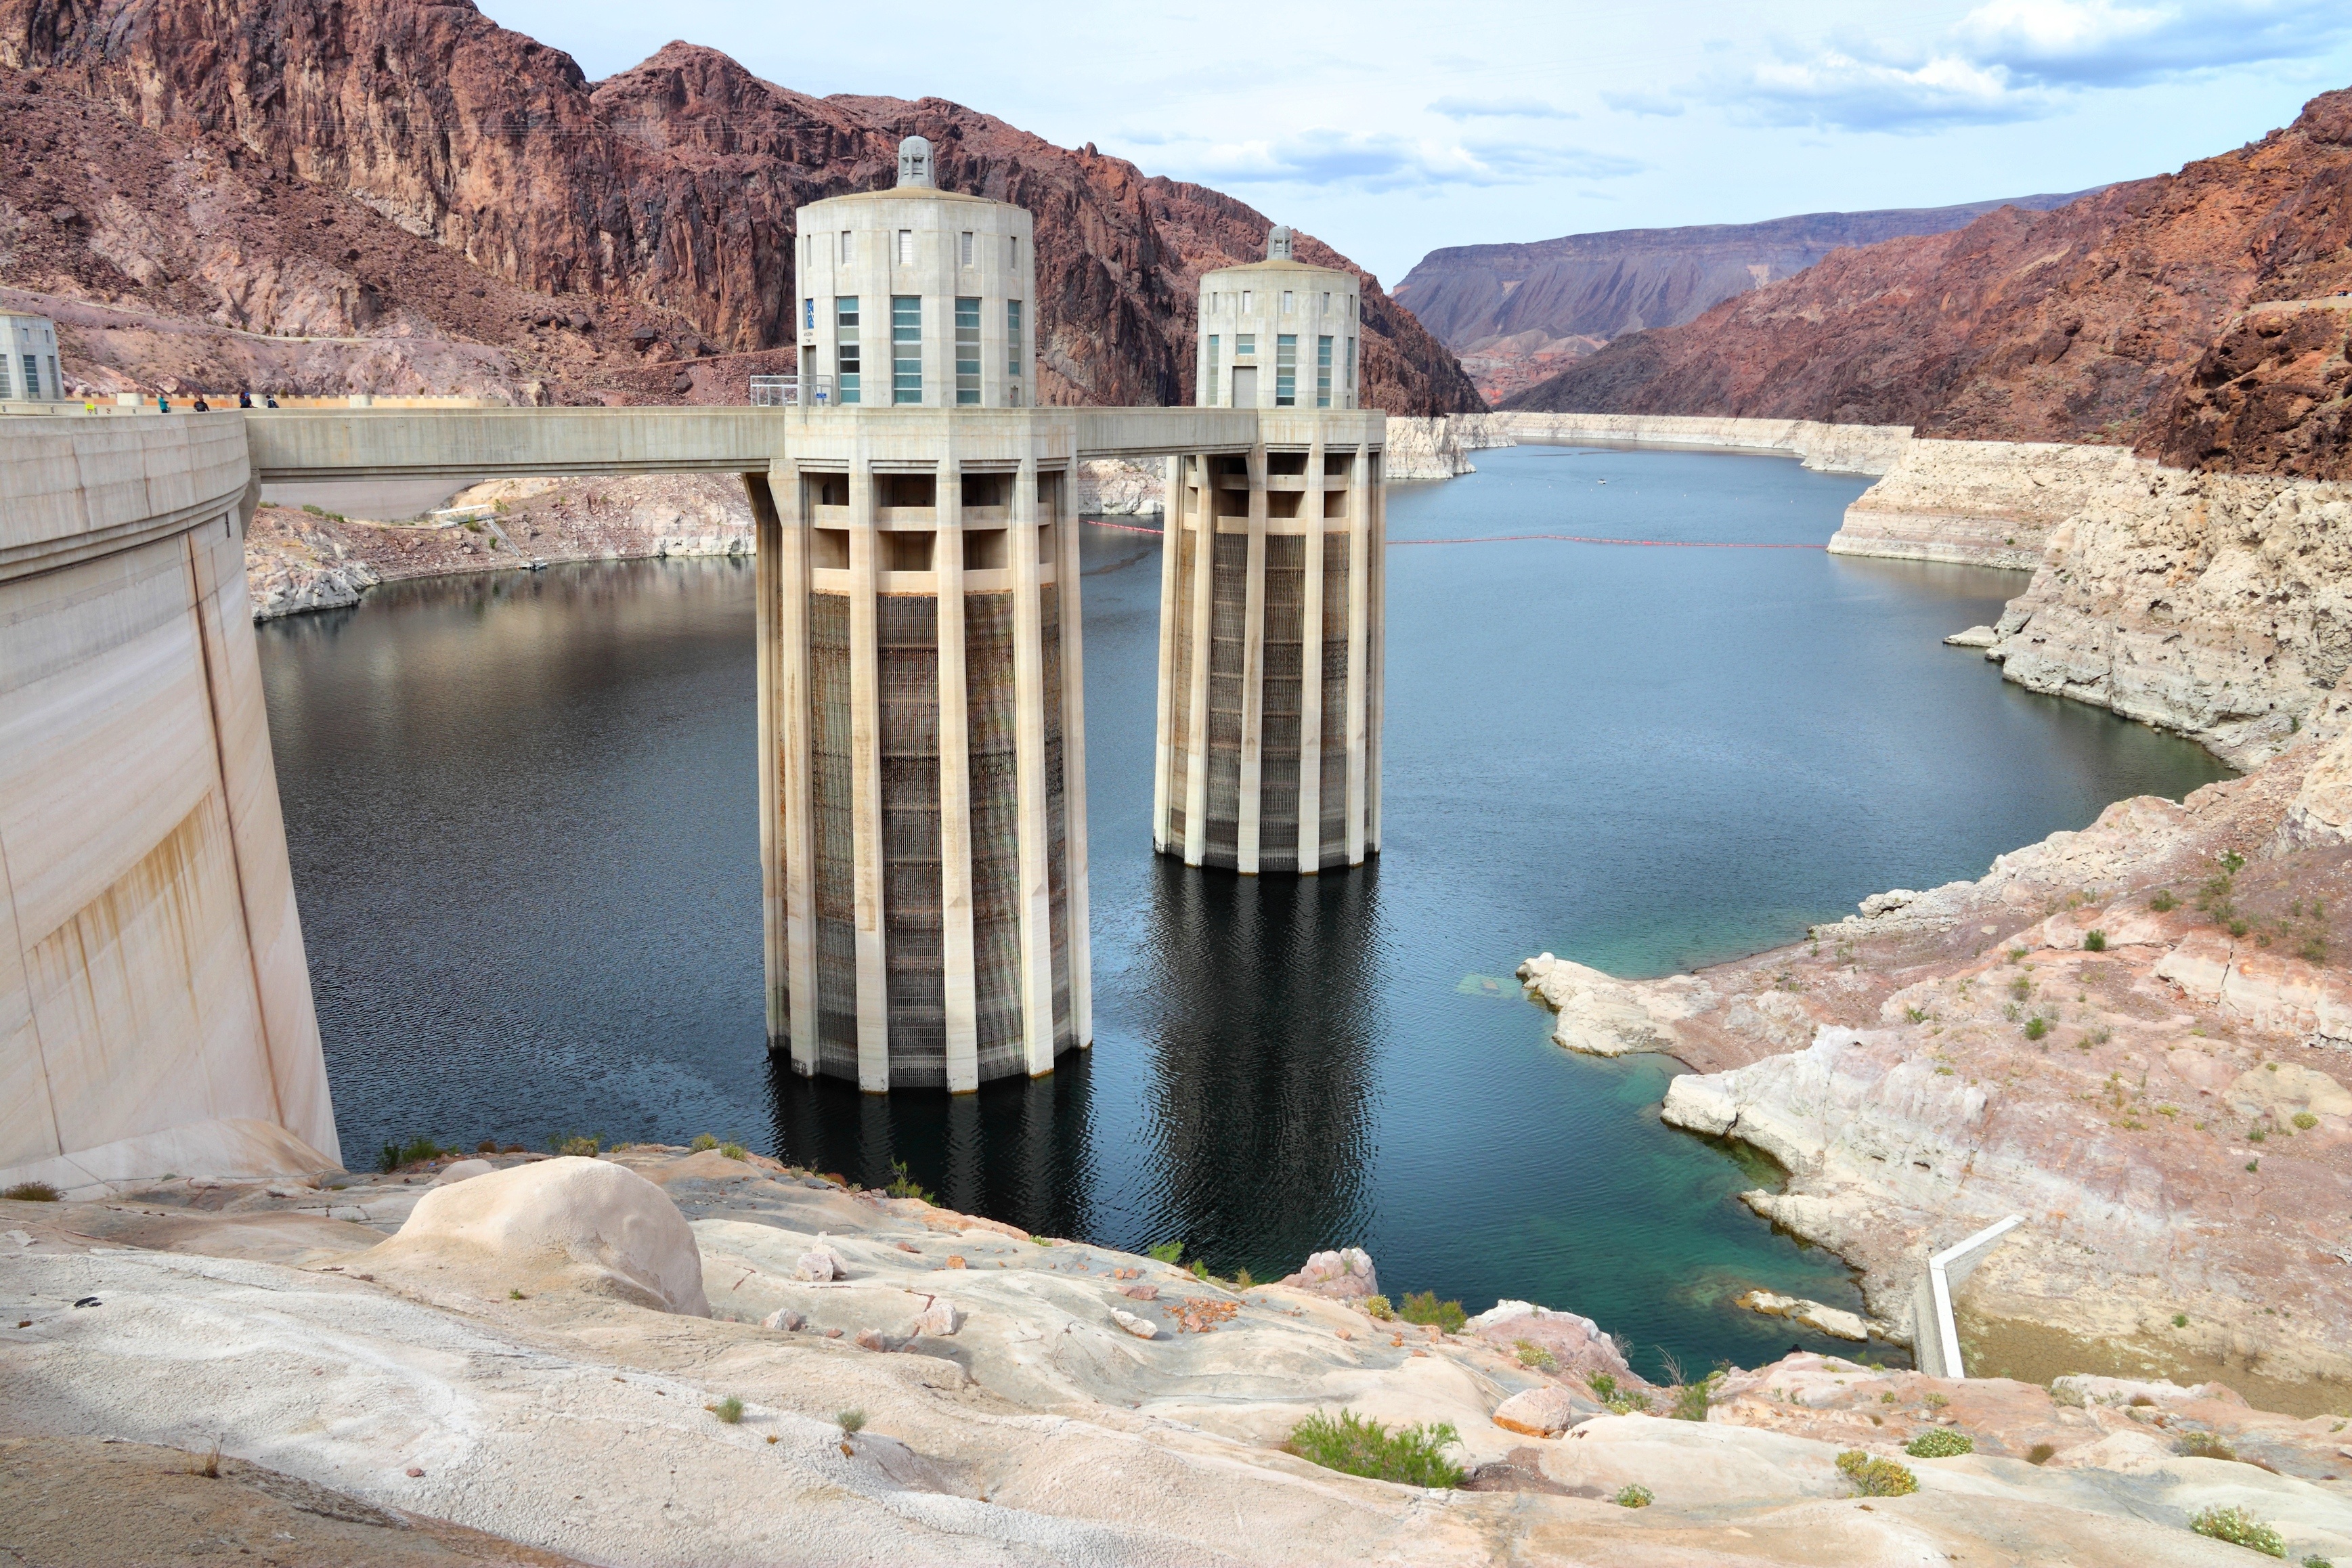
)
(852, 1422)
(1933, 1401)
(1242, 1281)
(2239, 1527)
(2036, 1026)
(1942, 1442)
(2202, 1446)
(902, 1184)
(2239, 927)
(2164, 902)
(703, 1141)
(415, 1152)
(583, 1146)
(1875, 1478)
(2180, 1319)
(1534, 1355)
(730, 1410)
(1377, 1305)
(2306, 1119)
(1691, 1400)
(1423, 1306)
(1604, 1388)
(2041, 1454)
(1634, 1495)
(2313, 950)
(2316, 1561)
(734, 1151)
(1166, 1252)
(1347, 1442)
(31, 1192)
(2094, 941)
(2021, 987)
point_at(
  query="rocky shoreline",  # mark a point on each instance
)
(2138, 1036)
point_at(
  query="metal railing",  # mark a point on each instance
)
(784, 391)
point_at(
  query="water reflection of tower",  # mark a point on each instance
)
(1269, 1149)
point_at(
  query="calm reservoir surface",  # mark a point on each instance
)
(522, 814)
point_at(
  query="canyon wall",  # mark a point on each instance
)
(2193, 317)
(1831, 449)
(264, 167)
(1980, 503)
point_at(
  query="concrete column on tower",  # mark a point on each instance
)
(789, 707)
(1375, 568)
(865, 782)
(1359, 610)
(1172, 535)
(1029, 706)
(767, 546)
(1196, 744)
(1252, 742)
(1067, 572)
(955, 793)
(1311, 508)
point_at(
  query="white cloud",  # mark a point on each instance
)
(1664, 105)
(1499, 109)
(1378, 161)
(2010, 60)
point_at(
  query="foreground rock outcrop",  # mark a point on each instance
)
(957, 1390)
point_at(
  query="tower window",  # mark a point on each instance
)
(1244, 343)
(905, 347)
(1212, 369)
(1286, 298)
(1286, 371)
(1323, 371)
(967, 347)
(1013, 355)
(1246, 295)
(906, 247)
(1012, 252)
(32, 375)
(845, 245)
(964, 252)
(1352, 366)
(845, 347)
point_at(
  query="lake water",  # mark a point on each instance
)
(523, 822)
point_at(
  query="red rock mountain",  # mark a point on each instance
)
(2198, 316)
(277, 167)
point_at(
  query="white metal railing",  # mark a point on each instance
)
(784, 391)
(1936, 1339)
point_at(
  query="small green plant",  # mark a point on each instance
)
(1166, 1252)
(1534, 1355)
(1604, 1387)
(2313, 950)
(2239, 1527)
(2017, 954)
(2164, 903)
(703, 1141)
(2094, 941)
(2041, 1454)
(1201, 1269)
(2316, 1561)
(31, 1192)
(1935, 1401)
(1916, 1014)
(515, 1295)
(1377, 1305)
(2021, 988)
(1423, 1306)
(1634, 1495)
(902, 1184)
(1691, 1399)
(2254, 1166)
(1887, 1397)
(583, 1146)
(734, 1151)
(2238, 927)
(2036, 1026)
(2258, 1135)
(2180, 1319)
(2233, 862)
(2202, 1446)
(730, 1410)
(2305, 1121)
(415, 1152)
(1942, 1443)
(1876, 1478)
(1348, 1443)
(1242, 1281)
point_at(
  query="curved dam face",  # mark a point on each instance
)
(155, 1010)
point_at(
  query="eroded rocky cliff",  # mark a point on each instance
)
(281, 169)
(2195, 316)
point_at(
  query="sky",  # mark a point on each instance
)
(1390, 131)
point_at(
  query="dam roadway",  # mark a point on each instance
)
(155, 1005)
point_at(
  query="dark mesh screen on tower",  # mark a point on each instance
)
(1230, 582)
(1057, 867)
(995, 833)
(906, 639)
(1285, 601)
(830, 791)
(1335, 699)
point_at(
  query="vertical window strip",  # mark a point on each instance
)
(1351, 367)
(905, 347)
(967, 348)
(965, 256)
(845, 350)
(1213, 371)
(1285, 370)
(1322, 373)
(845, 245)
(1013, 355)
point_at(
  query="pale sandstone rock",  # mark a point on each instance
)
(940, 1317)
(819, 1262)
(462, 1171)
(1544, 1412)
(1132, 1324)
(1346, 1274)
(1828, 449)
(1577, 1343)
(1887, 902)
(1974, 637)
(1120, 487)
(785, 1321)
(1607, 1017)
(2276, 995)
(1980, 503)
(2281, 1090)
(567, 1221)
(1835, 1321)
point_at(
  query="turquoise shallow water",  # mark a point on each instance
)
(522, 815)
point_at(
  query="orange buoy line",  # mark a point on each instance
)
(1564, 537)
